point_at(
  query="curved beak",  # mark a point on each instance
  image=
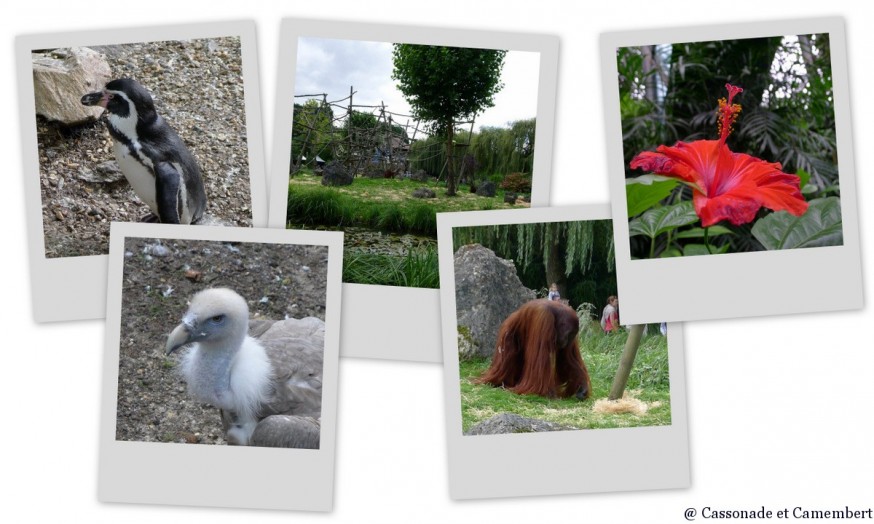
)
(181, 335)
(97, 98)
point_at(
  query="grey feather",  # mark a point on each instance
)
(272, 379)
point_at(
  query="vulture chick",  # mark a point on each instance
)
(269, 389)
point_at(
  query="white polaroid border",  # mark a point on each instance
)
(207, 475)
(409, 314)
(56, 296)
(738, 284)
(559, 462)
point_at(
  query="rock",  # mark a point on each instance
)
(510, 198)
(487, 291)
(512, 423)
(424, 192)
(60, 80)
(157, 250)
(486, 189)
(336, 175)
(104, 173)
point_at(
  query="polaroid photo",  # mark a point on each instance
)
(221, 364)
(544, 380)
(731, 170)
(151, 124)
(379, 128)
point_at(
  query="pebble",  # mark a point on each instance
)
(157, 250)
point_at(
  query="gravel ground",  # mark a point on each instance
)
(277, 280)
(197, 86)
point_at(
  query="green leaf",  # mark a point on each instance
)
(671, 252)
(836, 188)
(698, 232)
(660, 220)
(804, 177)
(820, 226)
(691, 250)
(646, 191)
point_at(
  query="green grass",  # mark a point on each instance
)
(418, 268)
(384, 204)
(649, 381)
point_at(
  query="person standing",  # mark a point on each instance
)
(610, 315)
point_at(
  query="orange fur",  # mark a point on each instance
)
(537, 353)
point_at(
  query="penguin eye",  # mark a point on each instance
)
(110, 96)
(218, 319)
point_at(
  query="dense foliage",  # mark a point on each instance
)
(669, 93)
(490, 151)
(578, 256)
(312, 132)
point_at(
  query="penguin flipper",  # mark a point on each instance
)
(167, 185)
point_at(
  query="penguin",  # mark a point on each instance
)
(155, 161)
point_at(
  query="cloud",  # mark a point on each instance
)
(331, 66)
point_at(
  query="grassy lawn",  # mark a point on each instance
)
(385, 205)
(382, 203)
(649, 382)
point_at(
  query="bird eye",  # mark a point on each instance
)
(217, 319)
(110, 96)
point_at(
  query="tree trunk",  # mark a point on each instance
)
(450, 165)
(626, 362)
(555, 267)
(650, 80)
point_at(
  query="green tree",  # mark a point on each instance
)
(444, 85)
(494, 150)
(312, 132)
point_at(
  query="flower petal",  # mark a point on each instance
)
(728, 186)
(734, 207)
(772, 187)
(687, 162)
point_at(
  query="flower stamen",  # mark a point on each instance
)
(728, 112)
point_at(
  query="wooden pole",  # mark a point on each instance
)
(626, 362)
(349, 124)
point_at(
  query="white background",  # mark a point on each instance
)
(780, 408)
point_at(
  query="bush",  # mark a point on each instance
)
(516, 183)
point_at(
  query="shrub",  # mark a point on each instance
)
(517, 183)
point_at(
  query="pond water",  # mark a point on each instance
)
(381, 242)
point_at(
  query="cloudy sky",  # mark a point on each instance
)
(331, 66)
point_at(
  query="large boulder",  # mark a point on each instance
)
(512, 423)
(61, 77)
(486, 189)
(424, 192)
(335, 174)
(487, 291)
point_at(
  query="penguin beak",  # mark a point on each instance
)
(183, 334)
(97, 98)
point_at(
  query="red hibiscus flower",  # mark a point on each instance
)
(725, 185)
